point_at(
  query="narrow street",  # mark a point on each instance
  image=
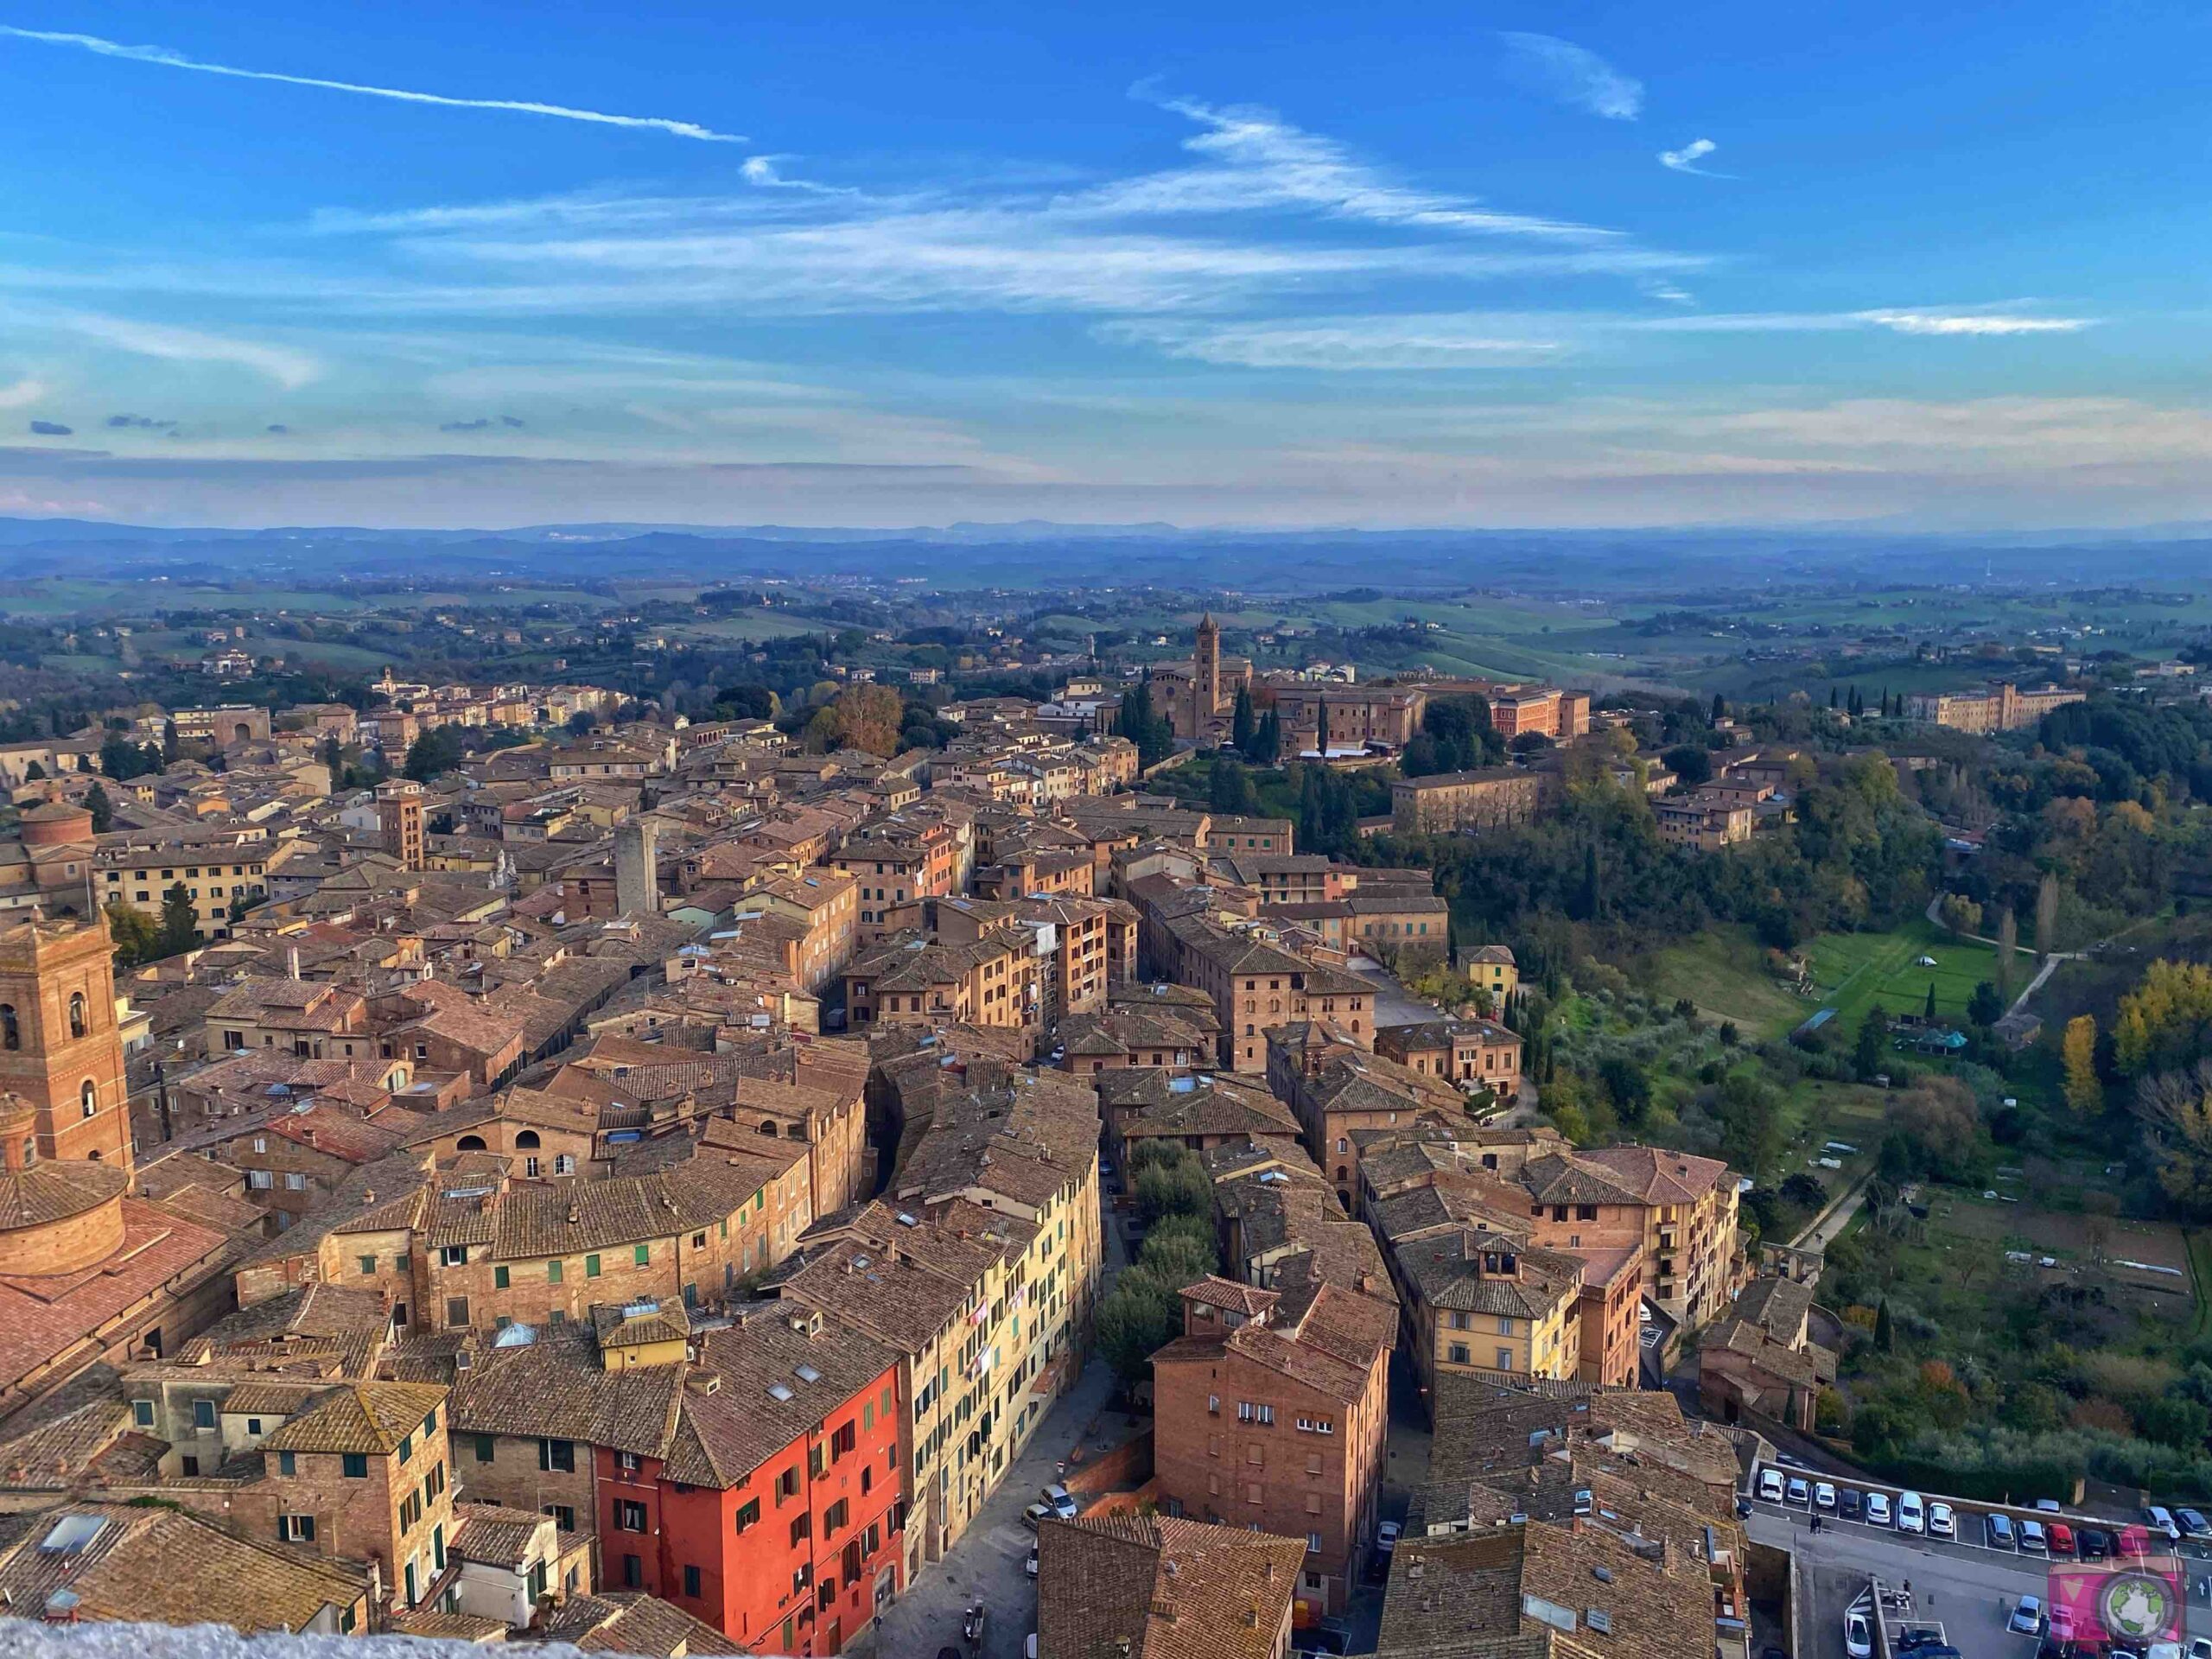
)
(986, 1562)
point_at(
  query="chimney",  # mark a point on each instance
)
(292, 963)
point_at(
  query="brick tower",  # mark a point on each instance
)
(60, 1047)
(1206, 672)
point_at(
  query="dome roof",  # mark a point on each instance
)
(52, 1192)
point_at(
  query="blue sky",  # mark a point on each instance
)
(1234, 265)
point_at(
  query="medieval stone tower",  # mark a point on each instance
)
(60, 1047)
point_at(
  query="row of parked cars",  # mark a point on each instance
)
(1934, 1518)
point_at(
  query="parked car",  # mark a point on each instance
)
(1771, 1485)
(1911, 1515)
(1035, 1513)
(2061, 1537)
(2093, 1543)
(1800, 1493)
(2052, 1505)
(2133, 1540)
(2159, 1520)
(2061, 1626)
(1848, 1503)
(1878, 1509)
(1061, 1502)
(1386, 1538)
(1032, 1562)
(1857, 1638)
(1824, 1496)
(2033, 1540)
(2200, 1647)
(1941, 1523)
(2028, 1618)
(1997, 1531)
(2193, 1523)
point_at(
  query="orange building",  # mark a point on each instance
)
(60, 1047)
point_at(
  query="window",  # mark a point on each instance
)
(486, 1448)
(643, 1255)
(368, 1265)
(628, 1462)
(629, 1515)
(834, 1517)
(749, 1515)
(11, 1030)
(88, 1098)
(498, 1278)
(287, 1464)
(1505, 1359)
(456, 1310)
(259, 1180)
(203, 1413)
(842, 1441)
(691, 1582)
(453, 1256)
(1312, 1543)
(142, 1413)
(77, 1014)
(591, 1267)
(552, 1272)
(1459, 1354)
(563, 1516)
(802, 1527)
(1505, 1326)
(633, 1572)
(295, 1529)
(406, 1447)
(295, 1181)
(563, 1164)
(356, 1466)
(557, 1454)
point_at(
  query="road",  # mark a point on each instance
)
(987, 1561)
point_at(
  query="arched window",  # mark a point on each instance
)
(76, 1013)
(767, 1127)
(30, 1150)
(90, 1095)
(11, 1030)
(94, 1155)
(527, 1140)
(469, 1143)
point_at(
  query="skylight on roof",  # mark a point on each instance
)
(807, 1374)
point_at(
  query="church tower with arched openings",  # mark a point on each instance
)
(61, 1048)
(1206, 668)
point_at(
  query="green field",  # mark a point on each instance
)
(1855, 972)
(1720, 971)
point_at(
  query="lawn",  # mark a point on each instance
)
(1855, 972)
(1722, 971)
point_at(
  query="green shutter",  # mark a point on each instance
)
(591, 1267)
(498, 1278)
(552, 1272)
(644, 1256)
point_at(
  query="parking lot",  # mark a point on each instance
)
(1960, 1582)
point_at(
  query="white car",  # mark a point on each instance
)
(2160, 1520)
(1386, 1539)
(1911, 1515)
(1941, 1523)
(1858, 1639)
(1824, 1496)
(1800, 1493)
(1770, 1485)
(1878, 1509)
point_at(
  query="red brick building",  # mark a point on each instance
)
(1269, 1414)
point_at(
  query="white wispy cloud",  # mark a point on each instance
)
(166, 59)
(22, 394)
(289, 368)
(1685, 159)
(1972, 322)
(1575, 75)
(1369, 343)
(1511, 340)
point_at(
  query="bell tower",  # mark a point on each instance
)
(59, 1046)
(1205, 669)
